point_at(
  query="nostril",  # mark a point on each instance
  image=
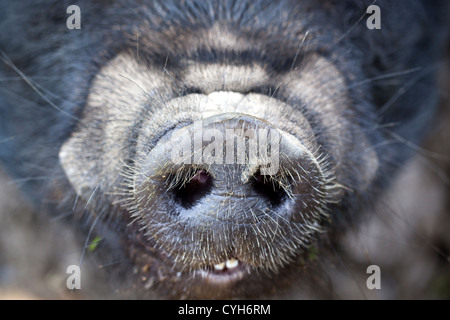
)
(200, 178)
(268, 188)
(193, 188)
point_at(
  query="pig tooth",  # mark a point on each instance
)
(220, 266)
(232, 263)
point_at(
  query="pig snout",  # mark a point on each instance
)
(226, 183)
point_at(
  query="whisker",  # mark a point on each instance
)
(342, 37)
(91, 197)
(9, 63)
(405, 88)
(112, 263)
(7, 139)
(86, 243)
(415, 147)
(61, 216)
(298, 50)
(137, 85)
(383, 77)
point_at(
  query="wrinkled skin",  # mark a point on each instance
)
(101, 125)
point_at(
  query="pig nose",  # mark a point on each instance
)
(229, 158)
(232, 168)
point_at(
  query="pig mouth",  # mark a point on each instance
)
(157, 261)
(225, 272)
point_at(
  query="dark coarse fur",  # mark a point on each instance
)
(382, 108)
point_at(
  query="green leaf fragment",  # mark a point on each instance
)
(94, 243)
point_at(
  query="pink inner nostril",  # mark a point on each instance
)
(201, 177)
(194, 189)
(268, 188)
